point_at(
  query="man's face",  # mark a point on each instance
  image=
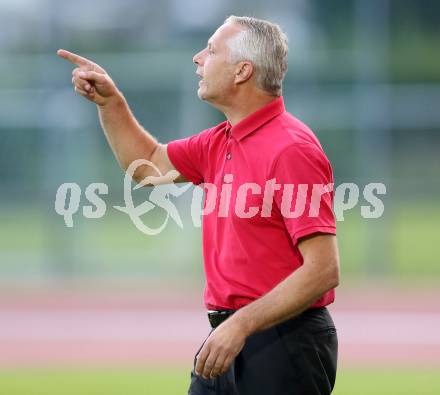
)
(214, 67)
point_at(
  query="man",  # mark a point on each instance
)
(268, 276)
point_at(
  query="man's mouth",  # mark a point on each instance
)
(201, 79)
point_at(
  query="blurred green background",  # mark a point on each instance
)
(365, 76)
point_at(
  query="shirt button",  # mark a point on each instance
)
(228, 178)
(228, 156)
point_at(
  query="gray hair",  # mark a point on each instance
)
(264, 44)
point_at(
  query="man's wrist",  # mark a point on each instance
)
(113, 101)
(244, 322)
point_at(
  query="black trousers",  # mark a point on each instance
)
(296, 357)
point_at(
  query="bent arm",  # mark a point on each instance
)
(129, 141)
(318, 274)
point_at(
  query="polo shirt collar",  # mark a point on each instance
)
(257, 119)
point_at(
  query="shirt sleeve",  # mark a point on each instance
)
(188, 155)
(308, 208)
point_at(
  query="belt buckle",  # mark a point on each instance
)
(216, 317)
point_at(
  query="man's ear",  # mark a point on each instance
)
(243, 72)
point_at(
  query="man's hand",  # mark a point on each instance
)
(220, 349)
(89, 79)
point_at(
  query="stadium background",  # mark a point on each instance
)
(101, 306)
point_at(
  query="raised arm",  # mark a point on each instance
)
(127, 138)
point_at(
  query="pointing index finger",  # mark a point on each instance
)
(73, 58)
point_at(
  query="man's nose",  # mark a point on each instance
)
(197, 58)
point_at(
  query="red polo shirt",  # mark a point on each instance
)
(257, 175)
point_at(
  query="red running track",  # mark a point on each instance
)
(128, 328)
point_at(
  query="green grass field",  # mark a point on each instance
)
(175, 381)
(399, 245)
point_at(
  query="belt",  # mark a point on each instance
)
(216, 317)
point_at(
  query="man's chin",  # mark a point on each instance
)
(201, 93)
(204, 95)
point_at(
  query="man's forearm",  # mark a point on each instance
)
(128, 140)
(289, 298)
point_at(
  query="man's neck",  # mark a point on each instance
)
(246, 105)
